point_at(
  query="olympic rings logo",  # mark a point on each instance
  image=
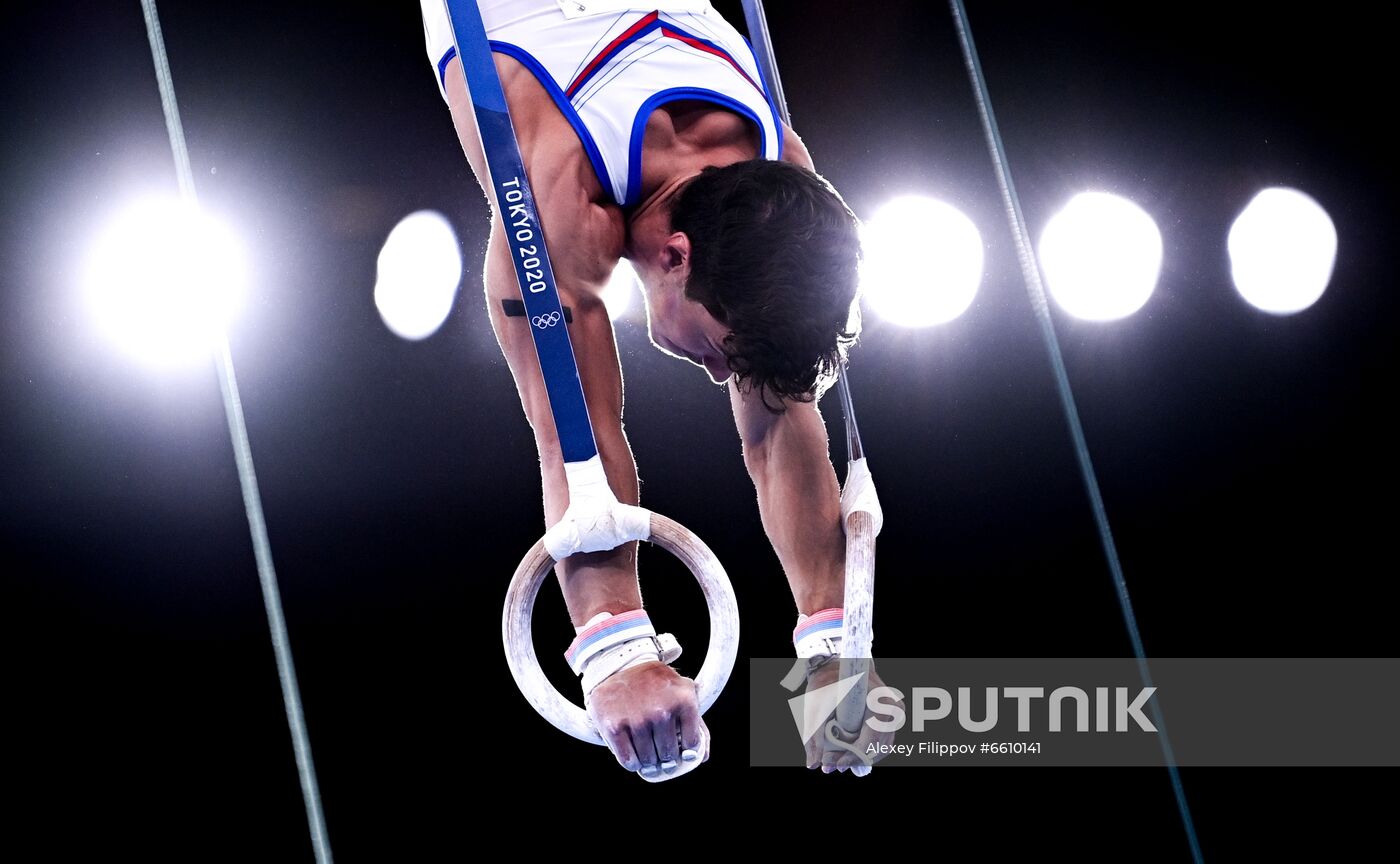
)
(543, 321)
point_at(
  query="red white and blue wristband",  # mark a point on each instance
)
(819, 634)
(608, 643)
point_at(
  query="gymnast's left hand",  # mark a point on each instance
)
(868, 746)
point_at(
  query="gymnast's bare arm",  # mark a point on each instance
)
(800, 504)
(799, 501)
(642, 711)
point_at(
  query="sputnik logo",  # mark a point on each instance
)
(812, 709)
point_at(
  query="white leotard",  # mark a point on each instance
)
(608, 64)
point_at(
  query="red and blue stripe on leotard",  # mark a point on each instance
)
(649, 23)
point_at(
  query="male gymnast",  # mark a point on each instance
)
(648, 134)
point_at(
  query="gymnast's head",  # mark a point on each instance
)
(757, 279)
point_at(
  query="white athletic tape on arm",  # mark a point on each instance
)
(595, 520)
(859, 495)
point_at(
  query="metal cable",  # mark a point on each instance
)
(1030, 269)
(247, 479)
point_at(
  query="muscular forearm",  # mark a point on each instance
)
(592, 582)
(596, 582)
(800, 503)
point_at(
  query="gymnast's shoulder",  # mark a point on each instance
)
(794, 150)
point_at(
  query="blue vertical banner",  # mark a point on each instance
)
(521, 220)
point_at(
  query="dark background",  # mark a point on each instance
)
(1242, 455)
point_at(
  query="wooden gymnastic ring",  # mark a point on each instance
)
(517, 634)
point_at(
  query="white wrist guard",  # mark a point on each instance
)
(608, 643)
(819, 634)
(816, 639)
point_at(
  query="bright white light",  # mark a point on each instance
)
(420, 267)
(621, 288)
(1282, 248)
(923, 262)
(164, 281)
(1101, 256)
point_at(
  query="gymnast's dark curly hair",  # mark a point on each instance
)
(775, 256)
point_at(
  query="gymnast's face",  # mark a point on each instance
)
(678, 325)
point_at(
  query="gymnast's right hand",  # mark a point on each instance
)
(649, 716)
